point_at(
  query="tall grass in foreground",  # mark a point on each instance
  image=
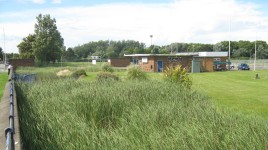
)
(70, 114)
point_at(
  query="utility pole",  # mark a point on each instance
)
(229, 52)
(151, 36)
(4, 36)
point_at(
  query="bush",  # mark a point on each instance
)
(178, 75)
(107, 76)
(107, 68)
(79, 73)
(135, 73)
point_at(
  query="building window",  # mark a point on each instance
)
(174, 59)
(144, 60)
(216, 59)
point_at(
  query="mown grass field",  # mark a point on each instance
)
(154, 114)
(238, 90)
(3, 81)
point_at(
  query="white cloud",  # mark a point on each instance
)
(56, 1)
(39, 1)
(205, 21)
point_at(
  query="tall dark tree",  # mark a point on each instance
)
(262, 49)
(1, 54)
(154, 49)
(69, 54)
(26, 46)
(48, 41)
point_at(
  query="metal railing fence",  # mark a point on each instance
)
(10, 131)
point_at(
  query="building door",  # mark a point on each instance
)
(196, 66)
(159, 66)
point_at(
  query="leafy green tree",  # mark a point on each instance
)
(69, 54)
(221, 46)
(163, 50)
(26, 46)
(12, 55)
(262, 52)
(111, 51)
(1, 54)
(48, 41)
(245, 48)
(154, 49)
(241, 52)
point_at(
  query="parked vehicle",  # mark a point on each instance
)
(219, 68)
(243, 67)
(231, 66)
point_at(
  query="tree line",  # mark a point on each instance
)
(108, 49)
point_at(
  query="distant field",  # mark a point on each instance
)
(236, 89)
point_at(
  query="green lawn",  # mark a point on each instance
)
(3, 80)
(238, 90)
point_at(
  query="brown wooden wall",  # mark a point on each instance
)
(21, 62)
(120, 62)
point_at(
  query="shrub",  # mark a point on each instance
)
(135, 73)
(79, 73)
(107, 68)
(178, 75)
(107, 76)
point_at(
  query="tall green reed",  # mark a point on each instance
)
(70, 114)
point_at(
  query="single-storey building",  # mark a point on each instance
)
(192, 61)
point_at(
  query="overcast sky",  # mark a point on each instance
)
(81, 21)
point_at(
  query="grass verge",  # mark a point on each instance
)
(3, 81)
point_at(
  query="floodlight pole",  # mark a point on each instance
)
(151, 36)
(4, 36)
